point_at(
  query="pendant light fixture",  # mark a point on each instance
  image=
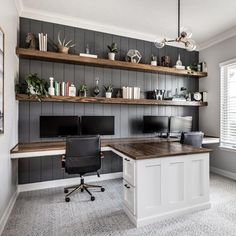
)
(184, 37)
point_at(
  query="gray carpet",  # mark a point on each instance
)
(44, 212)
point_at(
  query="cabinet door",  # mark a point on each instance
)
(129, 170)
(129, 197)
(199, 178)
(149, 187)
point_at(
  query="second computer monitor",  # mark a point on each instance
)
(93, 125)
(180, 124)
(155, 124)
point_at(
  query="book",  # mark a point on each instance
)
(57, 88)
(63, 89)
(67, 89)
(88, 55)
(43, 42)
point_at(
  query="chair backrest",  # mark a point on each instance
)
(83, 154)
(192, 138)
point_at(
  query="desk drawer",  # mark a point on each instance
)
(129, 197)
(129, 170)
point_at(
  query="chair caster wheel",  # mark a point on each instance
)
(67, 199)
(82, 190)
(92, 198)
(66, 190)
(102, 189)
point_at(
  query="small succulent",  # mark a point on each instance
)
(153, 58)
(113, 48)
(83, 88)
(63, 43)
(108, 88)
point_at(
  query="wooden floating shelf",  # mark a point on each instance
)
(103, 100)
(74, 59)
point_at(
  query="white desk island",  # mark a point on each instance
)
(160, 179)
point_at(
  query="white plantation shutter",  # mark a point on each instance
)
(228, 104)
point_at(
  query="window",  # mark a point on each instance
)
(228, 104)
(1, 80)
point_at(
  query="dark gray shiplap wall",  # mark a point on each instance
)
(127, 118)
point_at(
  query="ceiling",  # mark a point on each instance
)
(147, 18)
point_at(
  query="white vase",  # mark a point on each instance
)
(108, 94)
(111, 56)
(154, 63)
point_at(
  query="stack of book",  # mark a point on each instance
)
(64, 89)
(43, 42)
(131, 92)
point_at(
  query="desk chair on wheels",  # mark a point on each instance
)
(83, 155)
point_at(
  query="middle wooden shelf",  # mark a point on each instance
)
(103, 100)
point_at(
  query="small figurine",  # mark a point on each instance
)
(87, 49)
(31, 41)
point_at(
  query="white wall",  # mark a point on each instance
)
(209, 119)
(8, 170)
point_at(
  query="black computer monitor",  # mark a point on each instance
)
(180, 124)
(102, 125)
(59, 126)
(155, 124)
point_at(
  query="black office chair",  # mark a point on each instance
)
(83, 155)
(192, 138)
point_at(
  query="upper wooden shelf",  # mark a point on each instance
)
(103, 100)
(74, 59)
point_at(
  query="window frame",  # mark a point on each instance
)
(222, 66)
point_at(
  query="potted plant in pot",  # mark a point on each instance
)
(83, 90)
(33, 86)
(108, 90)
(63, 46)
(154, 60)
(112, 51)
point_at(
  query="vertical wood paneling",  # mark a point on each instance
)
(128, 119)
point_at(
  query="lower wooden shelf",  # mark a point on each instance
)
(103, 100)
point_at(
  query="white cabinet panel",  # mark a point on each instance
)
(129, 170)
(129, 197)
(176, 182)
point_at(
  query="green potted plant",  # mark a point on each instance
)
(108, 90)
(153, 60)
(83, 90)
(33, 86)
(112, 51)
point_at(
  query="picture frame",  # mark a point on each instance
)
(2, 38)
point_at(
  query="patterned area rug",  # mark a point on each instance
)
(45, 213)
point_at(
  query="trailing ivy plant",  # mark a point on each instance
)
(33, 86)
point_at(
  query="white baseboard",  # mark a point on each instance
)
(66, 182)
(224, 173)
(7, 212)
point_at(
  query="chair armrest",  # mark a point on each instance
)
(63, 161)
(102, 155)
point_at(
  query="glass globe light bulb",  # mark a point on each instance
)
(190, 45)
(159, 43)
(187, 30)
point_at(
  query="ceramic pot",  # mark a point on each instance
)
(108, 94)
(111, 56)
(62, 49)
(154, 63)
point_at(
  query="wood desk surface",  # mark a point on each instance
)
(153, 149)
(136, 148)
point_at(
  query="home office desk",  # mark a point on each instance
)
(28, 150)
(161, 178)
